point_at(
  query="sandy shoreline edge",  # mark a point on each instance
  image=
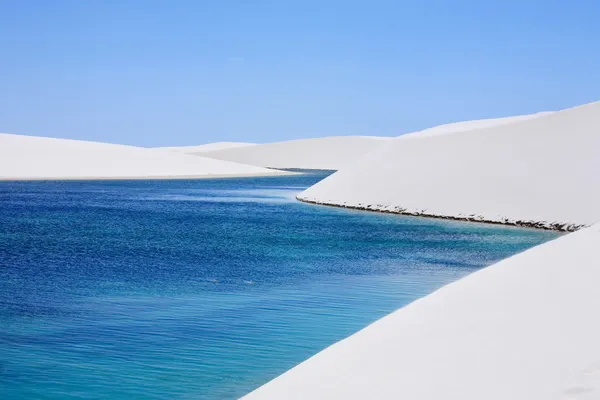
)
(141, 178)
(524, 328)
(551, 226)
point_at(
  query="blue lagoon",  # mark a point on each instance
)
(203, 289)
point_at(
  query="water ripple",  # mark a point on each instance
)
(203, 289)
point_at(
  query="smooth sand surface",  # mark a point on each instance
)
(206, 147)
(472, 125)
(526, 328)
(542, 171)
(330, 153)
(31, 157)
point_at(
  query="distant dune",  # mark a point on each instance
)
(206, 147)
(525, 328)
(541, 172)
(464, 126)
(331, 153)
(30, 157)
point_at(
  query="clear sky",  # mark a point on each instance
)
(154, 73)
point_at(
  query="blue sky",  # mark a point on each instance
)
(154, 73)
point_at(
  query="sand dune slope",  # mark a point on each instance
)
(332, 152)
(464, 126)
(541, 172)
(525, 328)
(206, 147)
(30, 157)
(320, 153)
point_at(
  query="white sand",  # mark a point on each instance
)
(543, 171)
(332, 152)
(526, 328)
(30, 157)
(472, 125)
(206, 147)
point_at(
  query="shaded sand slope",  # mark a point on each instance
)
(30, 157)
(332, 152)
(525, 328)
(206, 147)
(541, 172)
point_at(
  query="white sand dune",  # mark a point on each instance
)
(206, 147)
(526, 328)
(464, 126)
(31, 157)
(542, 172)
(331, 153)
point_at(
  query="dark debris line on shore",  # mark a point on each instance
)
(552, 226)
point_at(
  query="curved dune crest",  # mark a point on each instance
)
(539, 172)
(206, 147)
(31, 157)
(524, 328)
(464, 126)
(330, 153)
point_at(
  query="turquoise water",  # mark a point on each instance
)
(203, 289)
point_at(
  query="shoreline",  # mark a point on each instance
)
(34, 158)
(539, 172)
(549, 226)
(154, 177)
(522, 328)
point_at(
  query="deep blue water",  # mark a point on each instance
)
(203, 289)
